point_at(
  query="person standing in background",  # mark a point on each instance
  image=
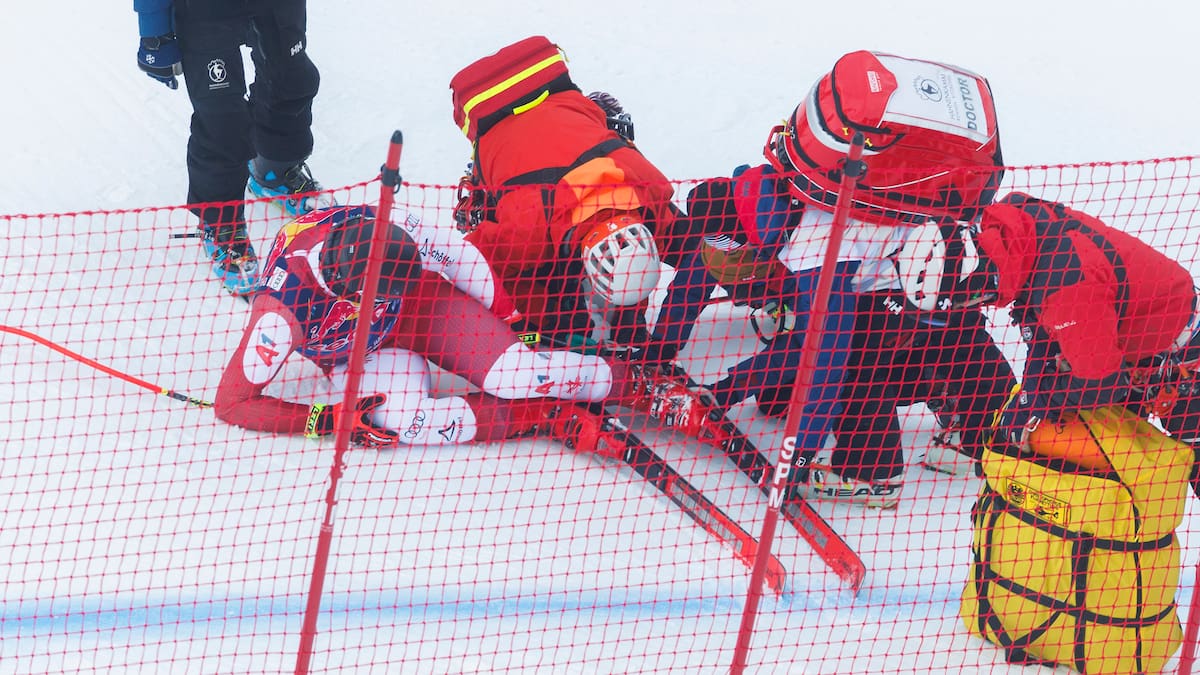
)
(263, 138)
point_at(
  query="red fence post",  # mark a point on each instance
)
(1187, 658)
(804, 379)
(390, 179)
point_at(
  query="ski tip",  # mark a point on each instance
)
(775, 578)
(853, 575)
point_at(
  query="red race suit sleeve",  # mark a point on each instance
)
(271, 335)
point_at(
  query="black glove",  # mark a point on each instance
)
(629, 327)
(323, 420)
(1020, 417)
(657, 354)
(160, 58)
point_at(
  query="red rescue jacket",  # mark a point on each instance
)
(552, 168)
(1105, 297)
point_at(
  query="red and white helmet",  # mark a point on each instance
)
(940, 268)
(621, 260)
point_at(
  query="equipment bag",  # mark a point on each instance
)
(497, 86)
(1078, 566)
(932, 144)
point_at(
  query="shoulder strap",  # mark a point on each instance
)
(1110, 253)
(551, 175)
(1058, 220)
(547, 177)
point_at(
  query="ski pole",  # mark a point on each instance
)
(106, 369)
(389, 178)
(851, 171)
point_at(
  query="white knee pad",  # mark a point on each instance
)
(522, 373)
(405, 378)
(428, 421)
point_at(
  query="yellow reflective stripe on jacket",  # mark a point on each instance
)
(508, 84)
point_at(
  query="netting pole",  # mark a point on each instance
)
(1187, 658)
(851, 171)
(390, 179)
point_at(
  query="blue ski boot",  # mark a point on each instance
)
(293, 185)
(233, 257)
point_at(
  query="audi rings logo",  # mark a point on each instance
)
(927, 89)
(216, 71)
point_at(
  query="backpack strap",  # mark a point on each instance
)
(547, 177)
(829, 199)
(1059, 221)
(1110, 253)
(551, 175)
(521, 104)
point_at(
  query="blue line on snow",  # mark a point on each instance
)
(110, 614)
(107, 614)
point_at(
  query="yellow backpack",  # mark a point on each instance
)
(1079, 566)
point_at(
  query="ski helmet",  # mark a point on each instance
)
(621, 260)
(940, 268)
(615, 116)
(345, 256)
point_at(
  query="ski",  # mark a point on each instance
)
(658, 472)
(711, 518)
(811, 525)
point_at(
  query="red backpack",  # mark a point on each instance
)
(502, 84)
(932, 144)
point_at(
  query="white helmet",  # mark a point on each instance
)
(940, 267)
(621, 260)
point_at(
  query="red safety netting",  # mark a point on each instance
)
(553, 499)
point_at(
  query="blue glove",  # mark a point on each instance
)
(629, 327)
(160, 58)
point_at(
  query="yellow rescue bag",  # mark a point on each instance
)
(1079, 566)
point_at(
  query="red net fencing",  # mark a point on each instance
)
(515, 527)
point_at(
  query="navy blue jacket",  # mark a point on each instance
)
(156, 17)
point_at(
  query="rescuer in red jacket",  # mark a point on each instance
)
(1095, 305)
(560, 202)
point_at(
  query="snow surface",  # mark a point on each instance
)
(143, 536)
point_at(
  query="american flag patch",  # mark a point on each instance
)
(722, 242)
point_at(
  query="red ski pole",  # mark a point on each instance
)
(390, 179)
(851, 171)
(169, 393)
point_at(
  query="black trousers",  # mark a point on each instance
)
(896, 362)
(229, 128)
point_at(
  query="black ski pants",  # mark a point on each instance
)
(229, 128)
(898, 362)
